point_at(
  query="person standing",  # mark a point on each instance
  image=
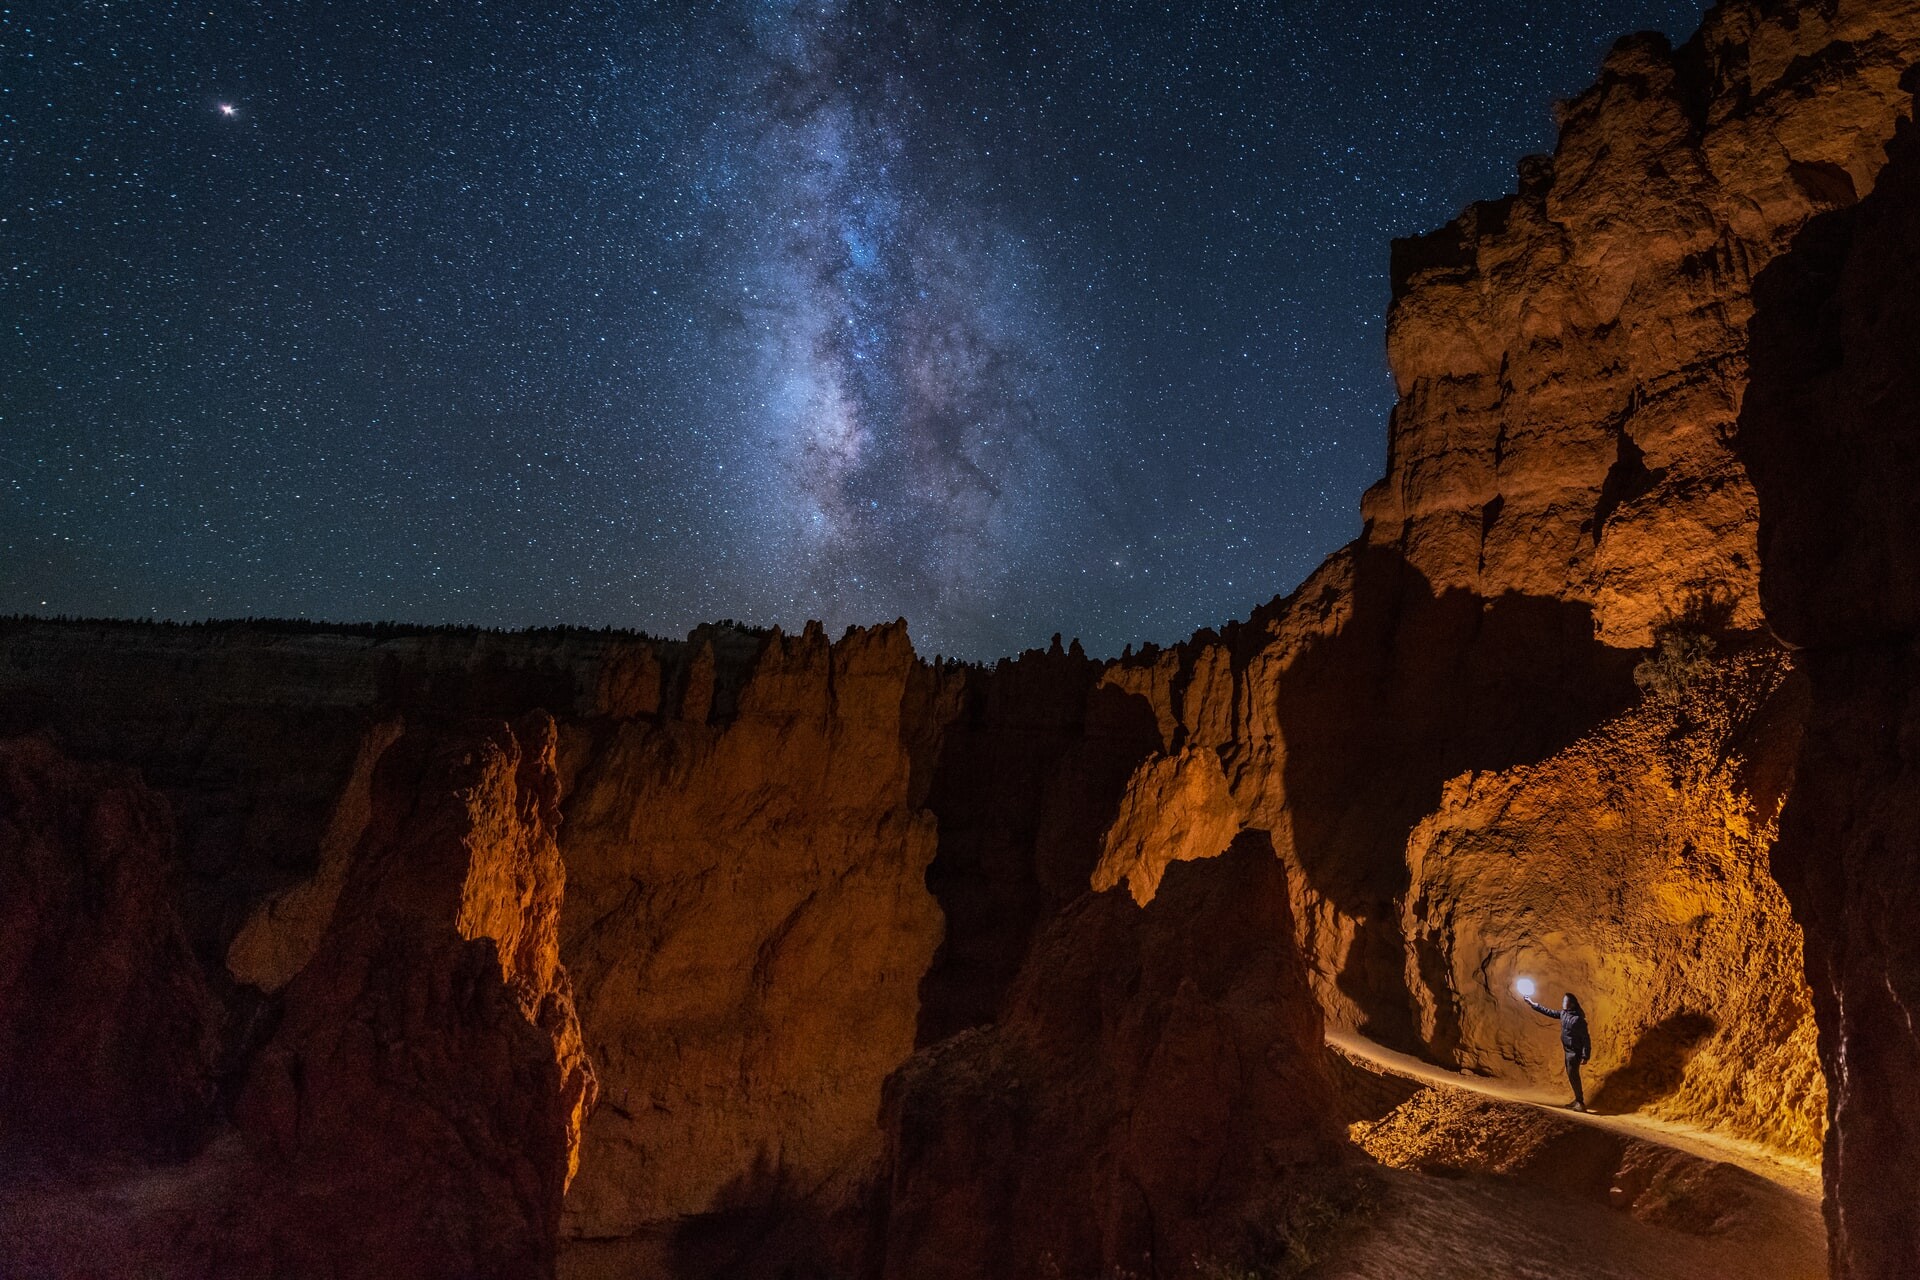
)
(1574, 1040)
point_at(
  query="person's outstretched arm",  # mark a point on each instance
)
(1545, 1013)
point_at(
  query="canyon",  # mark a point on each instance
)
(362, 950)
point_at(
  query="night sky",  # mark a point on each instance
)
(1008, 319)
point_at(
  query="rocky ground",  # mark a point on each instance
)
(1485, 1178)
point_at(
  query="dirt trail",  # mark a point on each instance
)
(1802, 1177)
(1486, 1180)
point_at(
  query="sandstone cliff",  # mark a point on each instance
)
(430, 1043)
(1442, 716)
(723, 845)
(411, 1103)
(1571, 358)
(748, 922)
(1031, 765)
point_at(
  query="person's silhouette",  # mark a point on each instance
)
(1574, 1040)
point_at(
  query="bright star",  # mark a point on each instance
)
(228, 109)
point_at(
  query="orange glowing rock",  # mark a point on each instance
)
(1176, 808)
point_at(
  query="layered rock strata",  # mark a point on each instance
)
(749, 924)
(1422, 725)
(1571, 358)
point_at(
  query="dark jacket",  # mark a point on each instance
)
(1573, 1029)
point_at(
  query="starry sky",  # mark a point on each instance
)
(1010, 319)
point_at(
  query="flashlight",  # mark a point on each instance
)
(1524, 986)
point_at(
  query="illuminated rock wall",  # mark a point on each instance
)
(1438, 731)
(748, 923)
(418, 1107)
(1632, 869)
(1571, 358)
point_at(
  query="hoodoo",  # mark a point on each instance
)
(367, 950)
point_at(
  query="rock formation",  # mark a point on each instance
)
(1031, 766)
(748, 923)
(1570, 359)
(745, 829)
(110, 1039)
(430, 1043)
(1831, 434)
(1632, 868)
(1421, 727)
(417, 1105)
(1153, 1085)
(283, 932)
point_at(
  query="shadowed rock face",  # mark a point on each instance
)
(431, 1042)
(1145, 1097)
(110, 1037)
(410, 1104)
(1831, 434)
(1028, 779)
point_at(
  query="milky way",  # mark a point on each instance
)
(1010, 319)
(894, 335)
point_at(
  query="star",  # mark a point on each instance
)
(963, 324)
